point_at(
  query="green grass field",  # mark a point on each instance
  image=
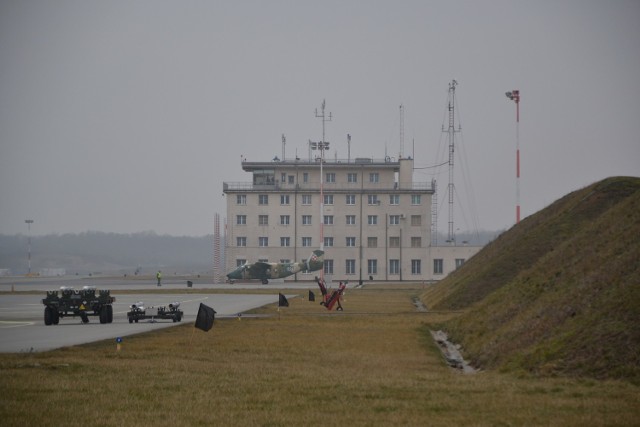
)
(373, 364)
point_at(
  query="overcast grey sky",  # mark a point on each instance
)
(127, 116)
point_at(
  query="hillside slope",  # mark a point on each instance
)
(559, 293)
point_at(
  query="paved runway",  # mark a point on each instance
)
(22, 327)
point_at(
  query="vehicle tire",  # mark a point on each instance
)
(265, 281)
(56, 317)
(48, 316)
(130, 319)
(84, 317)
(109, 314)
(103, 315)
(136, 320)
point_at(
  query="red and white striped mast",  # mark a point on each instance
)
(515, 96)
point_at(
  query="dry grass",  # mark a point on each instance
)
(374, 364)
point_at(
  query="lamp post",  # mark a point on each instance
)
(322, 146)
(29, 222)
(515, 96)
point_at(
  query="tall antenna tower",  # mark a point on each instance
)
(217, 277)
(401, 131)
(451, 131)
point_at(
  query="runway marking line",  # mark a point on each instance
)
(6, 324)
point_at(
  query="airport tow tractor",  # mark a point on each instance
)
(139, 312)
(83, 303)
(331, 298)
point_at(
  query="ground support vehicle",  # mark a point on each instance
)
(83, 303)
(138, 312)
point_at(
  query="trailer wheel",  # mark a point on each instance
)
(109, 314)
(48, 316)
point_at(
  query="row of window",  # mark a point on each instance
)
(372, 266)
(350, 242)
(330, 177)
(350, 199)
(416, 220)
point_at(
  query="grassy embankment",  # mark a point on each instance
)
(559, 294)
(374, 364)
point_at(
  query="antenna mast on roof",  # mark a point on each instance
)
(284, 142)
(401, 131)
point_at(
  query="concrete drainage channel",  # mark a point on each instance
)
(452, 353)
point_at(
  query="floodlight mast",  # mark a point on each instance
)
(29, 222)
(515, 96)
(322, 146)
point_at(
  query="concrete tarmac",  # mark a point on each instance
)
(22, 327)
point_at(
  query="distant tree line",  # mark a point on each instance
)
(138, 253)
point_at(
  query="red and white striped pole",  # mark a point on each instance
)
(515, 96)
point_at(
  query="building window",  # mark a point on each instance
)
(459, 262)
(394, 219)
(372, 242)
(284, 219)
(328, 241)
(263, 199)
(372, 219)
(352, 177)
(372, 266)
(394, 242)
(291, 179)
(240, 262)
(283, 177)
(372, 199)
(328, 266)
(416, 242)
(351, 242)
(305, 177)
(263, 242)
(415, 199)
(241, 241)
(438, 266)
(374, 177)
(394, 199)
(284, 199)
(328, 199)
(394, 266)
(241, 199)
(350, 266)
(241, 220)
(306, 242)
(351, 220)
(263, 219)
(330, 177)
(416, 220)
(306, 219)
(416, 266)
(350, 199)
(328, 220)
(306, 199)
(285, 241)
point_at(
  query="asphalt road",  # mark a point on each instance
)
(22, 327)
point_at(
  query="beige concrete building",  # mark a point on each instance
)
(376, 221)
